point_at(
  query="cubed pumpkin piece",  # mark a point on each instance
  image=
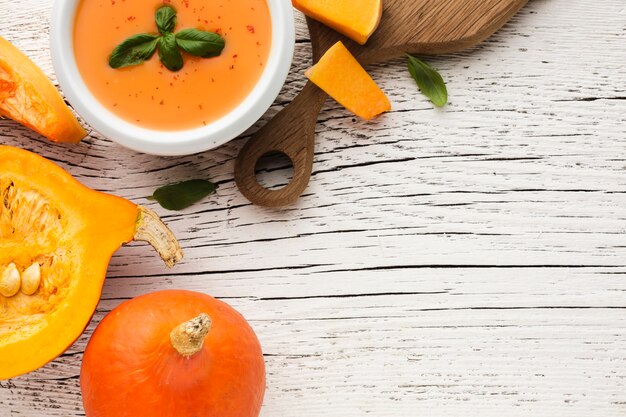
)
(341, 76)
(357, 19)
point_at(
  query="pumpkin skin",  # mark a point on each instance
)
(71, 231)
(131, 369)
(29, 97)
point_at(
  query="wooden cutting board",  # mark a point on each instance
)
(407, 26)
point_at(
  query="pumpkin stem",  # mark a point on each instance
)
(188, 337)
(150, 228)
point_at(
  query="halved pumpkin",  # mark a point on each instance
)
(341, 76)
(52, 224)
(357, 19)
(29, 97)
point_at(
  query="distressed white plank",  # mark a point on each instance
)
(469, 260)
(501, 341)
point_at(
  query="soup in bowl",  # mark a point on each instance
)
(172, 77)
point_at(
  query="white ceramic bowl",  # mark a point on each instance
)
(182, 142)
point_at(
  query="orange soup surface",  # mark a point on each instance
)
(151, 96)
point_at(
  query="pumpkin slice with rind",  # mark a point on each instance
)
(357, 19)
(341, 76)
(69, 232)
(29, 97)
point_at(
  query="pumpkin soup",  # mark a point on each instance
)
(149, 94)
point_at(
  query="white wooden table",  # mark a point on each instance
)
(469, 261)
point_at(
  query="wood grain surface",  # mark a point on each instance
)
(414, 26)
(469, 261)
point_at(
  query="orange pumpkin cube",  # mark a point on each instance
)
(341, 76)
(357, 19)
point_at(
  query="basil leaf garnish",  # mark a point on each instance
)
(200, 43)
(139, 48)
(429, 81)
(169, 54)
(165, 19)
(183, 194)
(133, 51)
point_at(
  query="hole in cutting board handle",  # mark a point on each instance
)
(274, 170)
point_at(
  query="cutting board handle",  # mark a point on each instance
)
(291, 132)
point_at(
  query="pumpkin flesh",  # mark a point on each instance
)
(356, 19)
(71, 231)
(29, 97)
(341, 76)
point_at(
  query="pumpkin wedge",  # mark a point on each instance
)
(56, 239)
(357, 19)
(29, 97)
(341, 76)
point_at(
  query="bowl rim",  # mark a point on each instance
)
(182, 142)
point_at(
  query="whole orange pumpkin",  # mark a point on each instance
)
(173, 353)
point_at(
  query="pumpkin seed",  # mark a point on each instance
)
(10, 281)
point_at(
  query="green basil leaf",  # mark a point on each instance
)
(165, 19)
(183, 194)
(200, 43)
(169, 54)
(134, 50)
(429, 81)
